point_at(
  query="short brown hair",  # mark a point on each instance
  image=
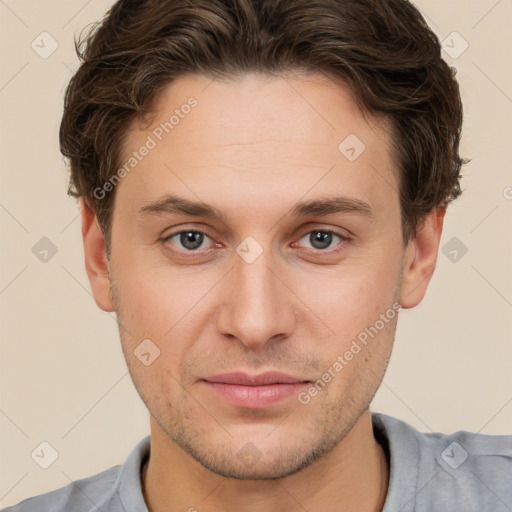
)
(382, 49)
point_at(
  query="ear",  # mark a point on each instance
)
(420, 258)
(96, 262)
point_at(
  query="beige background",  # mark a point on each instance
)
(63, 376)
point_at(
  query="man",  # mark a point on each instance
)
(263, 187)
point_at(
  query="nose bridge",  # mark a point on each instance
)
(258, 307)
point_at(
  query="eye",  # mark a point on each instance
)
(322, 239)
(189, 240)
(192, 240)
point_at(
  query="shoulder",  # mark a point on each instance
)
(463, 470)
(82, 495)
(113, 490)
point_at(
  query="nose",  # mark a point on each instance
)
(258, 306)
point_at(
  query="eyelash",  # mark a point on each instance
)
(191, 253)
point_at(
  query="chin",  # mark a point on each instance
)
(257, 457)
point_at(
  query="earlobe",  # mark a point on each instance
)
(420, 258)
(96, 262)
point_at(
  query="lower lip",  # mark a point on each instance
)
(255, 397)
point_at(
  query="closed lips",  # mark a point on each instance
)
(263, 379)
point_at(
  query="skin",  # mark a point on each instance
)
(254, 147)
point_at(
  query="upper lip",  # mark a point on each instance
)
(261, 379)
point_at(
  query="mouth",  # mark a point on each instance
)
(254, 391)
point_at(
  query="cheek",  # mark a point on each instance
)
(166, 307)
(358, 305)
(354, 364)
(349, 299)
(154, 297)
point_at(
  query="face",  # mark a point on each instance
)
(295, 266)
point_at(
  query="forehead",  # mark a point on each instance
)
(303, 108)
(255, 134)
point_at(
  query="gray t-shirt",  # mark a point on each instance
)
(460, 472)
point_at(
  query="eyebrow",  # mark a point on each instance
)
(170, 204)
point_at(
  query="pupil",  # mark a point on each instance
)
(321, 238)
(191, 240)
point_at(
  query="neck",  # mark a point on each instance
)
(354, 476)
